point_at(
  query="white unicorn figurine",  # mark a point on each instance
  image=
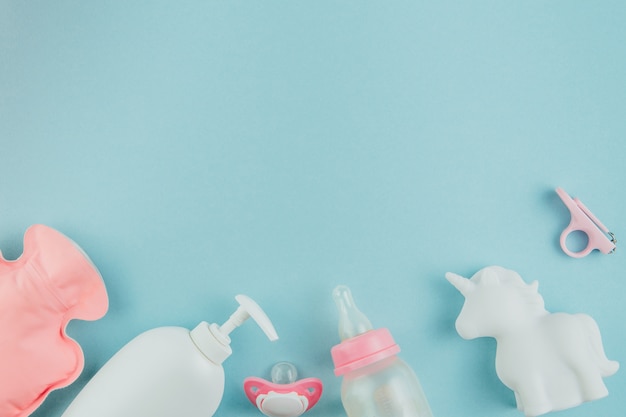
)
(551, 361)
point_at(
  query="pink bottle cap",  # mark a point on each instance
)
(362, 350)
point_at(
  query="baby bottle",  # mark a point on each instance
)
(376, 383)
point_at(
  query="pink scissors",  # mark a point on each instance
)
(584, 221)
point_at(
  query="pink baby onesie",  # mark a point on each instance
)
(52, 282)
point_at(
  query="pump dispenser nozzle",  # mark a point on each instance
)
(351, 321)
(248, 308)
(213, 340)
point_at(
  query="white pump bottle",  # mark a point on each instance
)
(167, 371)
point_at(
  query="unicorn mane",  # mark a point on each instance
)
(496, 275)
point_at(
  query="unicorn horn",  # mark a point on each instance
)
(464, 285)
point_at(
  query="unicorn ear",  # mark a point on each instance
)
(464, 285)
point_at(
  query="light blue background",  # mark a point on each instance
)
(201, 149)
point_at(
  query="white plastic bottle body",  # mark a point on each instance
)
(388, 388)
(160, 373)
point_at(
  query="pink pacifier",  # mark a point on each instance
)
(283, 397)
(583, 220)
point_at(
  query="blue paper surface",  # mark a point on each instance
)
(197, 150)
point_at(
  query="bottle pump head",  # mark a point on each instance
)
(213, 340)
(248, 308)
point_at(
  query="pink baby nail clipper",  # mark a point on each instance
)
(584, 221)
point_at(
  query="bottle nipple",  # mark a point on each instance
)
(351, 321)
